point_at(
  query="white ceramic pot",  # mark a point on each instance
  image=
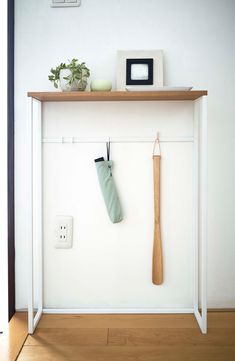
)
(77, 85)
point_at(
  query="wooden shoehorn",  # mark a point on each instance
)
(157, 270)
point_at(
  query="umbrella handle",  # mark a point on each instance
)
(157, 266)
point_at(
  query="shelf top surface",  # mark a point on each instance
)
(117, 96)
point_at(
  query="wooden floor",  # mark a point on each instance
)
(13, 338)
(131, 337)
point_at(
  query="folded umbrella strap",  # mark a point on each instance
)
(108, 156)
(108, 149)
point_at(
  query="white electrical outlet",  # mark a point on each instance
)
(63, 231)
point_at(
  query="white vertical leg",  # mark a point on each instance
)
(30, 220)
(195, 203)
(200, 115)
(35, 214)
(37, 203)
(204, 197)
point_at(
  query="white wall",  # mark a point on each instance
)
(197, 38)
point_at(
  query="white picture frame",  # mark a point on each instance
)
(124, 78)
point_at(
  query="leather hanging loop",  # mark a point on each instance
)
(156, 144)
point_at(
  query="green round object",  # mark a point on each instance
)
(101, 85)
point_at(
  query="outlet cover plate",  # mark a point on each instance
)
(63, 231)
(65, 3)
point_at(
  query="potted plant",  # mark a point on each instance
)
(71, 77)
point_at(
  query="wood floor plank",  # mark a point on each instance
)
(170, 337)
(221, 320)
(79, 337)
(13, 339)
(119, 353)
(119, 321)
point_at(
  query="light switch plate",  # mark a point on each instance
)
(63, 231)
(65, 3)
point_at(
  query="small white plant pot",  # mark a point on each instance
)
(77, 85)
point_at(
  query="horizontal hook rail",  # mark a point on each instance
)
(73, 140)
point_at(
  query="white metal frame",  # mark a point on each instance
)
(35, 213)
(35, 238)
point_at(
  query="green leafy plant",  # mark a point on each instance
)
(79, 72)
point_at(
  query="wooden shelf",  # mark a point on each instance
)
(117, 96)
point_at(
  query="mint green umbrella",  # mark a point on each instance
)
(108, 188)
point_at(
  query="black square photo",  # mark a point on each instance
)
(139, 71)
